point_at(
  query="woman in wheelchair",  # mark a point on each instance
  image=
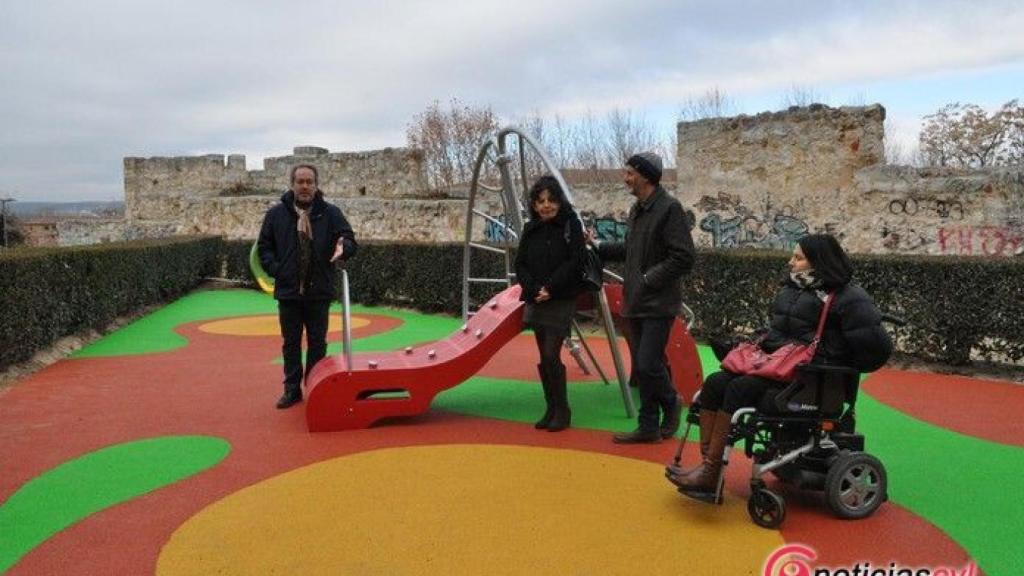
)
(852, 336)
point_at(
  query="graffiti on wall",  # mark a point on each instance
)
(981, 240)
(999, 234)
(945, 208)
(905, 239)
(731, 224)
(607, 228)
(497, 232)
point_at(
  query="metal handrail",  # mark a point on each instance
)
(346, 320)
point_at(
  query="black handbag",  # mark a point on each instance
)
(591, 268)
(591, 275)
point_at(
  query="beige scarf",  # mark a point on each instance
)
(304, 227)
(305, 237)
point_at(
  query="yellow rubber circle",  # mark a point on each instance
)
(268, 325)
(468, 509)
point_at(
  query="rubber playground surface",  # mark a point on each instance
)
(157, 450)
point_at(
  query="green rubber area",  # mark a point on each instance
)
(415, 329)
(966, 486)
(72, 491)
(155, 332)
(595, 405)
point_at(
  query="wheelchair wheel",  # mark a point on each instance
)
(855, 485)
(766, 508)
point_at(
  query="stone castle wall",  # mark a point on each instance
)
(751, 181)
(938, 211)
(72, 231)
(767, 180)
(196, 194)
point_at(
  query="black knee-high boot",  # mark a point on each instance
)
(562, 416)
(545, 381)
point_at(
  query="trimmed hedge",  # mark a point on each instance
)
(426, 277)
(952, 305)
(956, 307)
(48, 293)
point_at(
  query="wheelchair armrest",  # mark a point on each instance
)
(826, 369)
(781, 399)
(818, 388)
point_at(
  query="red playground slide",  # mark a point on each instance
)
(403, 383)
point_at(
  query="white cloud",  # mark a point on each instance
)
(90, 83)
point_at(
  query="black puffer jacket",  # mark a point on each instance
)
(853, 333)
(278, 247)
(544, 258)
(658, 251)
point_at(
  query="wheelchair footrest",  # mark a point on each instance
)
(706, 497)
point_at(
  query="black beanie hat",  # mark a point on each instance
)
(648, 164)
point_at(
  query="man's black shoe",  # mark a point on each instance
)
(288, 400)
(670, 425)
(638, 437)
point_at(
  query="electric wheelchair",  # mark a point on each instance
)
(804, 434)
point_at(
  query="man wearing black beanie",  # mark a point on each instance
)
(658, 251)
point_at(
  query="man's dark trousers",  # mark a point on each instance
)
(649, 337)
(296, 315)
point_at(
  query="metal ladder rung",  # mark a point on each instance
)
(505, 227)
(487, 248)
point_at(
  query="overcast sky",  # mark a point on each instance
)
(87, 83)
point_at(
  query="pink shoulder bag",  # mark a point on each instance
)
(748, 357)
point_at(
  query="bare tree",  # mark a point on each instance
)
(896, 151)
(628, 133)
(859, 98)
(800, 95)
(588, 143)
(714, 103)
(535, 127)
(450, 140)
(558, 142)
(966, 136)
(670, 147)
(1014, 117)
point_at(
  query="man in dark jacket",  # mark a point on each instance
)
(658, 251)
(299, 242)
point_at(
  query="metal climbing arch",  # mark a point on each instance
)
(511, 154)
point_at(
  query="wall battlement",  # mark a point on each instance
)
(752, 181)
(767, 180)
(151, 183)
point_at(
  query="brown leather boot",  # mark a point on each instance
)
(707, 427)
(705, 477)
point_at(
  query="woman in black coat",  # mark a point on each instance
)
(853, 336)
(548, 269)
